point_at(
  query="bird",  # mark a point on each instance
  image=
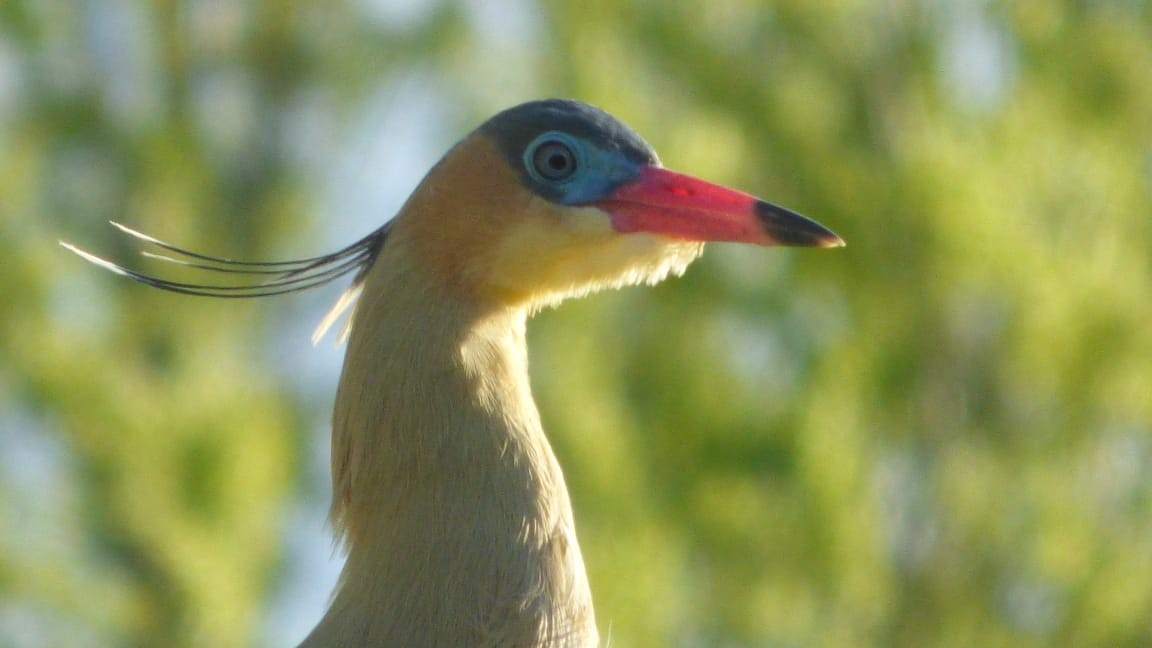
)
(447, 498)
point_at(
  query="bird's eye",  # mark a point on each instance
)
(554, 160)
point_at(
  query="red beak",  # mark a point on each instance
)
(680, 206)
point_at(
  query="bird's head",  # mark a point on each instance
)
(545, 200)
(557, 198)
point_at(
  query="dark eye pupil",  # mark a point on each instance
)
(554, 161)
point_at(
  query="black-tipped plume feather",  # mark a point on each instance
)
(278, 277)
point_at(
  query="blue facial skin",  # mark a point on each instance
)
(598, 172)
(608, 154)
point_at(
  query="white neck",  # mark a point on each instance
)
(453, 508)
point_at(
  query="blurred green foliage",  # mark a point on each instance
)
(938, 436)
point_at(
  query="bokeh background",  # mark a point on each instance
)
(940, 435)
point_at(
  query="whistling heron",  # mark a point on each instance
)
(446, 493)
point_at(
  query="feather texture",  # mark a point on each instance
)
(447, 496)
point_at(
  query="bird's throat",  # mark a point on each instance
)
(448, 497)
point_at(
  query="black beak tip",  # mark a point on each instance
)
(786, 227)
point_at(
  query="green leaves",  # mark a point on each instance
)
(939, 435)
